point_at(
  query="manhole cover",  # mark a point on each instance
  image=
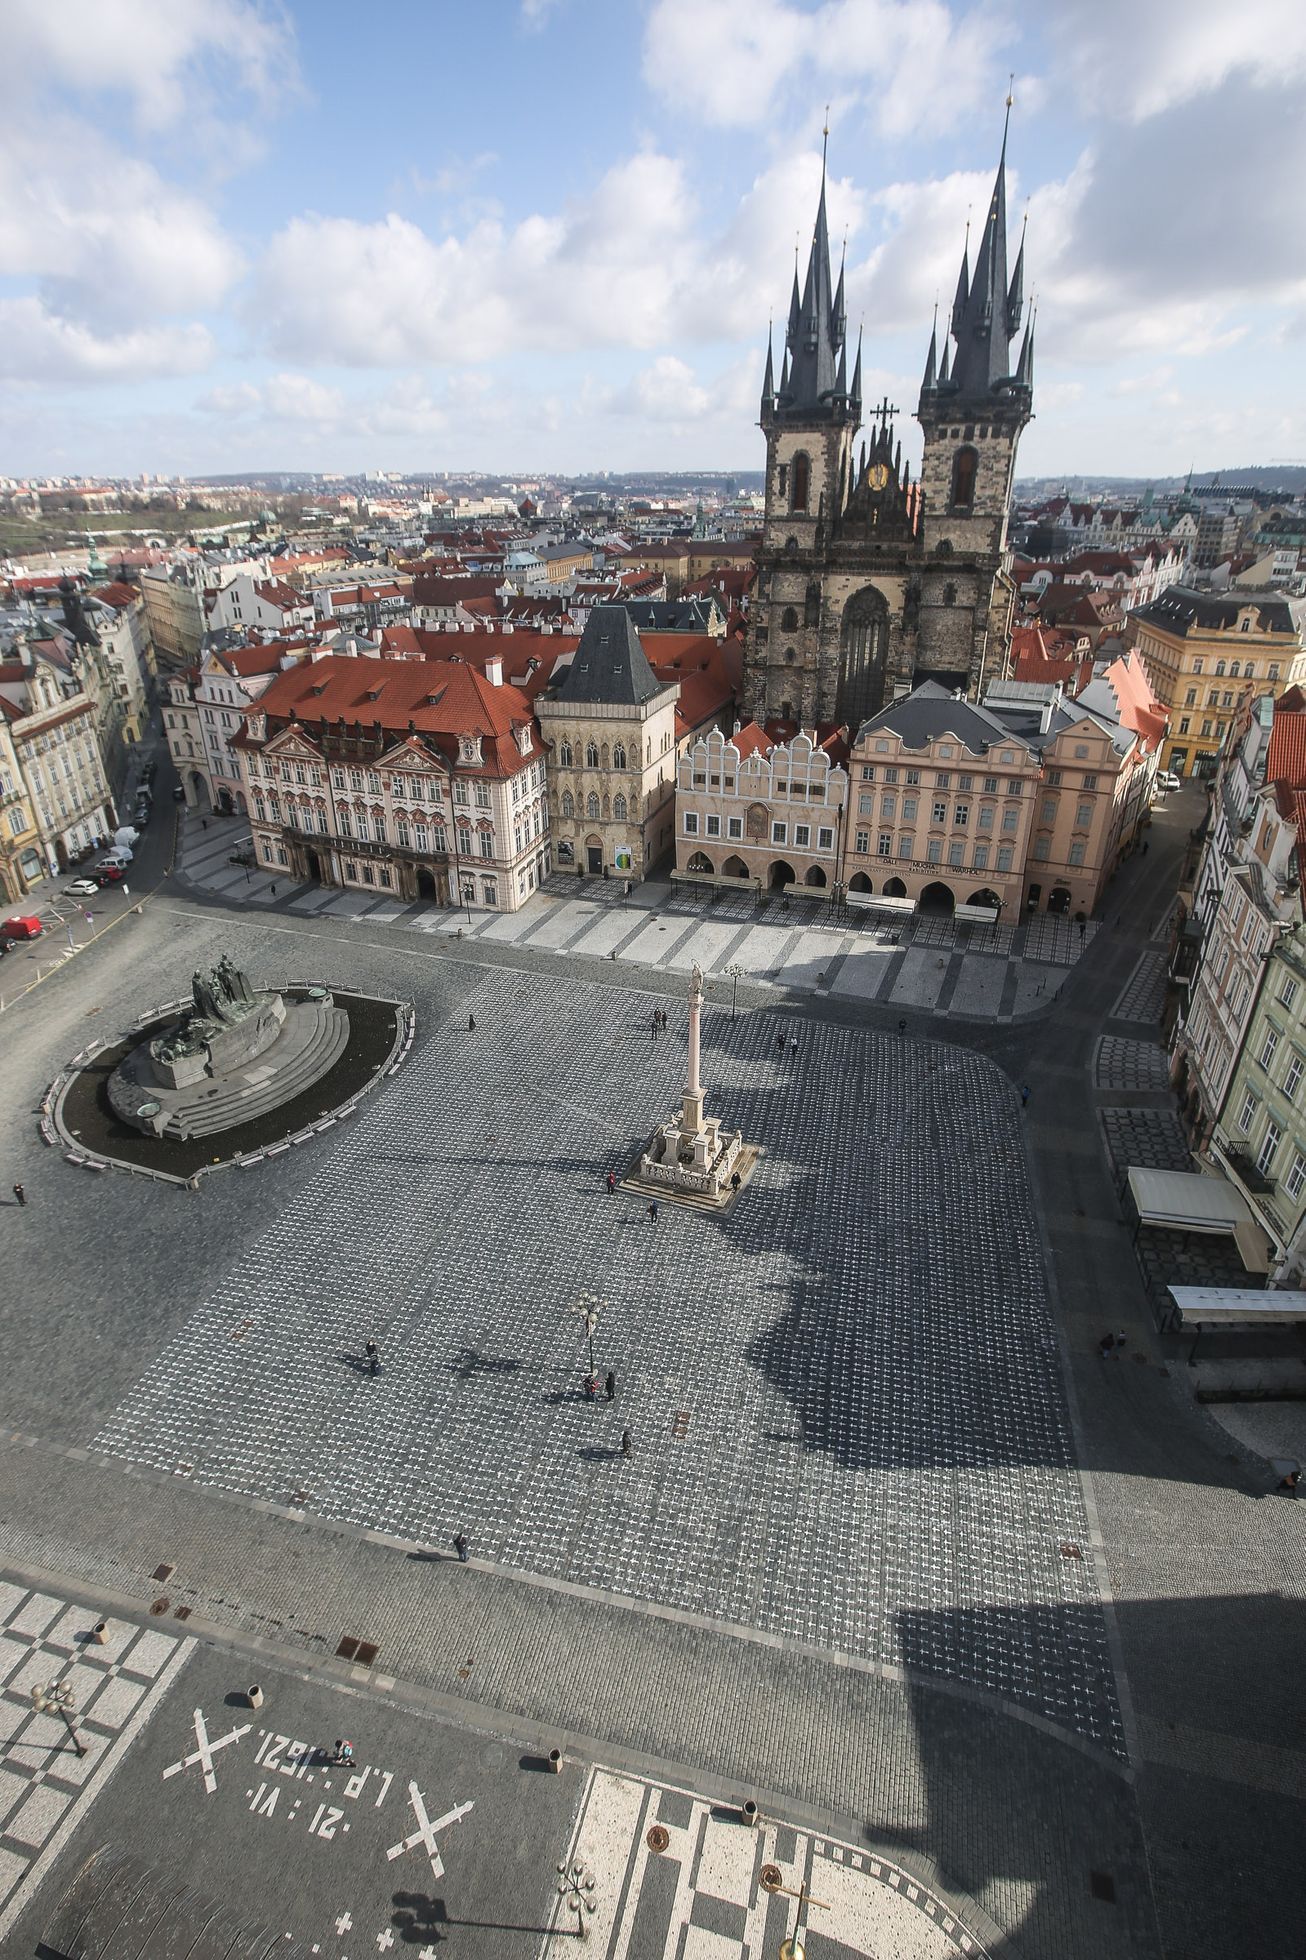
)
(182, 1613)
(159, 1606)
(163, 1572)
(1103, 1887)
(770, 1878)
(659, 1837)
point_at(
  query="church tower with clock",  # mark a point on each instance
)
(868, 583)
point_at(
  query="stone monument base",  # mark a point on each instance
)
(667, 1170)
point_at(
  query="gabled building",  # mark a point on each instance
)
(1203, 651)
(424, 779)
(51, 728)
(609, 726)
(768, 813)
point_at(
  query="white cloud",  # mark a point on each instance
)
(664, 392)
(167, 56)
(911, 65)
(1133, 62)
(38, 345)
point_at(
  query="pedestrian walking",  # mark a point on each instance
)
(611, 1182)
(1290, 1481)
(1106, 1344)
(343, 1758)
(1120, 1341)
(272, 890)
(793, 1046)
(373, 1356)
(735, 1180)
(610, 1386)
(471, 1024)
(653, 1212)
(1146, 846)
(461, 1547)
(779, 1044)
(902, 1027)
(20, 1194)
(590, 1385)
(1024, 1094)
(627, 1443)
(653, 1026)
(204, 823)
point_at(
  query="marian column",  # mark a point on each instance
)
(691, 1120)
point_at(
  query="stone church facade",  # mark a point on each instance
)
(868, 583)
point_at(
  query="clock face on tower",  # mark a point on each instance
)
(877, 476)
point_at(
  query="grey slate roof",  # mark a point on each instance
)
(671, 615)
(930, 711)
(1180, 608)
(610, 664)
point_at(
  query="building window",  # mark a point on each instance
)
(865, 804)
(1247, 1115)
(1013, 787)
(1288, 993)
(801, 476)
(568, 806)
(934, 851)
(592, 807)
(825, 840)
(620, 808)
(1077, 850)
(961, 815)
(1294, 1075)
(564, 755)
(779, 832)
(965, 465)
(980, 859)
(591, 755)
(714, 826)
(868, 772)
(802, 836)
(862, 842)
(487, 844)
(619, 756)
(734, 826)
(906, 847)
(986, 816)
(888, 808)
(939, 813)
(884, 843)
(1296, 1177)
(1005, 855)
(1269, 1146)
(1268, 1047)
(1185, 723)
(990, 786)
(913, 776)
(1042, 849)
(956, 852)
(1219, 667)
(1190, 698)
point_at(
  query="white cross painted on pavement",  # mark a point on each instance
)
(428, 1953)
(206, 1751)
(344, 1923)
(385, 1939)
(426, 1830)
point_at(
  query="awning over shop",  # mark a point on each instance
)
(1186, 1201)
(1235, 1306)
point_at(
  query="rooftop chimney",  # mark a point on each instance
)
(494, 670)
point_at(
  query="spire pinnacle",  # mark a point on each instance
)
(930, 382)
(857, 372)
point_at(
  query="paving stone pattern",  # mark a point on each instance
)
(1153, 1139)
(1143, 996)
(1125, 1064)
(848, 1420)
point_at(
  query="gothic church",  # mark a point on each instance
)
(868, 583)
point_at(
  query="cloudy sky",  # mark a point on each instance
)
(524, 234)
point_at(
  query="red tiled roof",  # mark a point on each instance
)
(274, 592)
(441, 699)
(1285, 756)
(116, 595)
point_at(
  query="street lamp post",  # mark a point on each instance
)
(589, 1306)
(574, 1889)
(56, 1698)
(736, 974)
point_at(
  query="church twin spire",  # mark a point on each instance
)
(814, 374)
(986, 313)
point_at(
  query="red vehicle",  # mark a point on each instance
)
(108, 874)
(22, 928)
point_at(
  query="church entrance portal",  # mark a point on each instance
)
(863, 645)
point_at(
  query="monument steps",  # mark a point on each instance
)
(323, 1031)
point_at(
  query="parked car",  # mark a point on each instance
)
(141, 816)
(1169, 781)
(108, 874)
(22, 927)
(118, 853)
(81, 888)
(178, 794)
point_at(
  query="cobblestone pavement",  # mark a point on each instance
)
(928, 964)
(1152, 1138)
(1122, 1063)
(790, 1374)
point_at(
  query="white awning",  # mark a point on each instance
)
(1185, 1201)
(1235, 1306)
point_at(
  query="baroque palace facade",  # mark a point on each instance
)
(867, 582)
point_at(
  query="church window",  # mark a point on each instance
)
(591, 755)
(603, 756)
(802, 473)
(812, 605)
(784, 479)
(592, 807)
(791, 547)
(949, 594)
(619, 756)
(568, 806)
(619, 809)
(965, 464)
(564, 755)
(789, 656)
(789, 620)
